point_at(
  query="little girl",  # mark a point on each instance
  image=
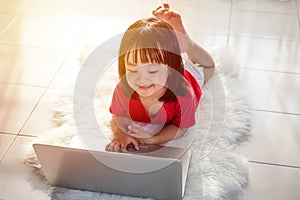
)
(156, 98)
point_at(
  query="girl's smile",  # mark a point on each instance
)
(145, 87)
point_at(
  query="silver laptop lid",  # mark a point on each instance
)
(113, 172)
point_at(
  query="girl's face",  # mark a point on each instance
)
(147, 79)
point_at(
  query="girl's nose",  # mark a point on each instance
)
(143, 75)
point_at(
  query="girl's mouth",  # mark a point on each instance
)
(145, 87)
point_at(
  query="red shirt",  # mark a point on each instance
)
(180, 112)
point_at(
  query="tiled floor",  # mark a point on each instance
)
(40, 41)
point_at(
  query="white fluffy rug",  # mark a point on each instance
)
(224, 121)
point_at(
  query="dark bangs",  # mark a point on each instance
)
(147, 55)
(153, 41)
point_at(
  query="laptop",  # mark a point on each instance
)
(154, 171)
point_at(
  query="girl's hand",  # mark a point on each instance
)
(141, 135)
(120, 143)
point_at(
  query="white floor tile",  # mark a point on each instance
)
(264, 54)
(133, 9)
(5, 20)
(5, 141)
(92, 38)
(206, 20)
(94, 34)
(41, 118)
(272, 183)
(43, 32)
(272, 91)
(275, 139)
(64, 9)
(209, 40)
(67, 74)
(14, 6)
(274, 6)
(266, 25)
(16, 103)
(201, 3)
(30, 66)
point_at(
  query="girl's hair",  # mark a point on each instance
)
(154, 41)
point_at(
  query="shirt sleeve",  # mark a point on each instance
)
(186, 106)
(118, 102)
(185, 110)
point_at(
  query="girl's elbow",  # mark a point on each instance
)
(182, 131)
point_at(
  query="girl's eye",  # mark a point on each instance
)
(153, 72)
(132, 71)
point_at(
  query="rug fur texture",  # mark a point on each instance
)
(215, 172)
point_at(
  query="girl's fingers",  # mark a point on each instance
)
(117, 147)
(135, 144)
(114, 147)
(109, 147)
(124, 147)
